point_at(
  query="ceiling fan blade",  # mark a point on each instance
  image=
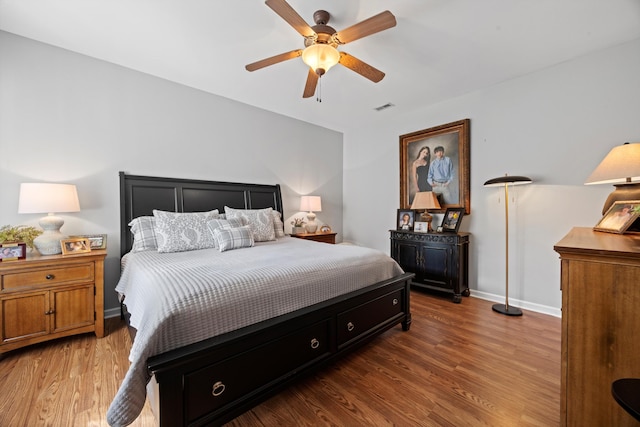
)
(375, 24)
(362, 68)
(286, 12)
(310, 86)
(273, 60)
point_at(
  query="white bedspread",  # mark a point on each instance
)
(181, 298)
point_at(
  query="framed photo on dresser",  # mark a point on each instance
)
(620, 216)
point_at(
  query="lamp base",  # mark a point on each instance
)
(508, 310)
(627, 191)
(312, 225)
(48, 243)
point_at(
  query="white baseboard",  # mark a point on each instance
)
(544, 309)
(112, 312)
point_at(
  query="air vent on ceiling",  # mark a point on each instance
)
(384, 107)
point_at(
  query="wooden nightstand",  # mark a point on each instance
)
(318, 237)
(47, 297)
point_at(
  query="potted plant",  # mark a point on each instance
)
(298, 226)
(19, 233)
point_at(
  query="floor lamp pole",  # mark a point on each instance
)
(506, 180)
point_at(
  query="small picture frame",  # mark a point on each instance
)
(405, 219)
(76, 245)
(12, 251)
(325, 229)
(96, 241)
(619, 217)
(451, 220)
(421, 227)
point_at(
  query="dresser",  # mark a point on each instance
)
(47, 297)
(440, 261)
(600, 282)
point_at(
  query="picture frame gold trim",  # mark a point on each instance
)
(454, 137)
(12, 251)
(77, 245)
(620, 216)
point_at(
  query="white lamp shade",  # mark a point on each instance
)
(311, 204)
(48, 198)
(622, 164)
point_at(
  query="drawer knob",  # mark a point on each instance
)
(49, 276)
(218, 389)
(49, 312)
(350, 326)
(315, 343)
(395, 301)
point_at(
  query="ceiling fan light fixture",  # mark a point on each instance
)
(320, 57)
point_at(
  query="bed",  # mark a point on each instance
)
(208, 346)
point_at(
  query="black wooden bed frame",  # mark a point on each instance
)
(215, 380)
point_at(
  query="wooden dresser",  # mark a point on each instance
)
(318, 237)
(600, 282)
(47, 297)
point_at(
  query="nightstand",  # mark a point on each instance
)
(318, 237)
(48, 297)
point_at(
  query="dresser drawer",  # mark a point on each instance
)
(209, 389)
(48, 276)
(360, 319)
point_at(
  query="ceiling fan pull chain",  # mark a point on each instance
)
(319, 92)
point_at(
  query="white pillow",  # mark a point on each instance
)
(144, 234)
(233, 238)
(259, 220)
(223, 223)
(278, 225)
(183, 231)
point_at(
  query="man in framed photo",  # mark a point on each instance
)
(441, 175)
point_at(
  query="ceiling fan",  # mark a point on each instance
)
(321, 42)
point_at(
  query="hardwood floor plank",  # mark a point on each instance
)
(459, 365)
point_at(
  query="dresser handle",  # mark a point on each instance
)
(315, 343)
(395, 301)
(49, 312)
(218, 389)
(350, 326)
(49, 276)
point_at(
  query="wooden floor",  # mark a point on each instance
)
(459, 365)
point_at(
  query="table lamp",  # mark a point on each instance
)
(621, 167)
(506, 181)
(425, 200)
(48, 198)
(311, 204)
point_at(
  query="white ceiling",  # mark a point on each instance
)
(439, 49)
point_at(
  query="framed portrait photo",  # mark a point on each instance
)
(452, 219)
(405, 219)
(75, 245)
(12, 251)
(437, 160)
(619, 217)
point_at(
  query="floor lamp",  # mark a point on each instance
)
(506, 181)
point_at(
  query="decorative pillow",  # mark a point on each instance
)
(233, 238)
(223, 223)
(259, 220)
(144, 234)
(177, 232)
(278, 225)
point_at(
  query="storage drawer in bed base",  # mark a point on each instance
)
(212, 382)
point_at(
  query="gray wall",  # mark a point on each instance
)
(65, 117)
(554, 126)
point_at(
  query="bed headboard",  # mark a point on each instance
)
(140, 195)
